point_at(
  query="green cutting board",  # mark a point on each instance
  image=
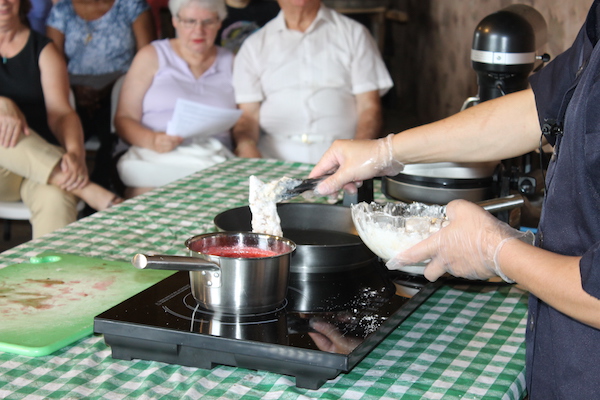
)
(51, 301)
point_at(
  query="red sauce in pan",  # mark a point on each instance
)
(239, 252)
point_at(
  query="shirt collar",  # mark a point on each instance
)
(214, 68)
(324, 14)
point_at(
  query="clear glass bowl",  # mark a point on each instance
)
(390, 228)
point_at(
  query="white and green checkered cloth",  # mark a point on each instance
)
(462, 343)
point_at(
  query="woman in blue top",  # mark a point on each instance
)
(99, 39)
(562, 272)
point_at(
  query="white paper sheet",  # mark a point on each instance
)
(195, 119)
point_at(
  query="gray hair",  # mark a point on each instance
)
(216, 6)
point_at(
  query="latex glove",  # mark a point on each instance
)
(352, 161)
(467, 247)
(328, 338)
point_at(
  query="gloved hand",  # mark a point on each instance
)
(467, 247)
(329, 338)
(352, 161)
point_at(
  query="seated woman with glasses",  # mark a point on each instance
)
(189, 67)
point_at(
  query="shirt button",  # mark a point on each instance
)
(531, 323)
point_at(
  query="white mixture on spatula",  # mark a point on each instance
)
(263, 201)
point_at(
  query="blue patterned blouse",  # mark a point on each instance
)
(101, 46)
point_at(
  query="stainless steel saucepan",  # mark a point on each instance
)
(232, 272)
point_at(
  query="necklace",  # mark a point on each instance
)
(6, 41)
(89, 11)
(89, 30)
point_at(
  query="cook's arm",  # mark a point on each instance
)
(246, 131)
(476, 245)
(553, 278)
(496, 129)
(368, 106)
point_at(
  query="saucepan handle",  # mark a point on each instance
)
(174, 263)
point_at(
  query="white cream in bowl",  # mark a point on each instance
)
(390, 228)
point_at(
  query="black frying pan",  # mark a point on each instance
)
(324, 234)
(331, 265)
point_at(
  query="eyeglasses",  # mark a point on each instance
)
(209, 23)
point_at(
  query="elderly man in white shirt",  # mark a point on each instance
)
(308, 77)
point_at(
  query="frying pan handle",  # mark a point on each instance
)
(174, 263)
(502, 203)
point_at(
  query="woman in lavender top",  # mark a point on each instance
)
(189, 67)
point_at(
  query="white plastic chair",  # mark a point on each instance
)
(18, 211)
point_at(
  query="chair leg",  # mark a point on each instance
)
(7, 227)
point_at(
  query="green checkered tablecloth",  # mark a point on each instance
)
(462, 343)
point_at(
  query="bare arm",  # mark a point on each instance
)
(130, 108)
(496, 129)
(62, 118)
(143, 29)
(12, 123)
(370, 121)
(246, 131)
(58, 38)
(553, 278)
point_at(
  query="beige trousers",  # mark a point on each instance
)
(24, 173)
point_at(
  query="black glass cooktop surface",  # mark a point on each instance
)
(317, 334)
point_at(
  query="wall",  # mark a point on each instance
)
(429, 57)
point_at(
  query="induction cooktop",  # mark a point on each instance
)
(314, 341)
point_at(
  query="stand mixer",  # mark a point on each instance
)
(503, 54)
